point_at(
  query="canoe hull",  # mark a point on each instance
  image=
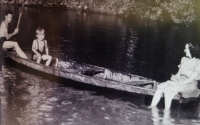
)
(76, 75)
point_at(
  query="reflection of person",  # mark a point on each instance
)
(4, 36)
(187, 76)
(40, 49)
(159, 119)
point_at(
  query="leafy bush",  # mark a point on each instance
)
(178, 11)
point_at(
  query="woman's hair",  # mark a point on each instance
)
(194, 50)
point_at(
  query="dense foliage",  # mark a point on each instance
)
(178, 11)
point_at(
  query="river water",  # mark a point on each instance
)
(147, 48)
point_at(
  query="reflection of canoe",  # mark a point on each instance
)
(98, 76)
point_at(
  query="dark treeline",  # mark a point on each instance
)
(178, 11)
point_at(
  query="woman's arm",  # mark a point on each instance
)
(46, 48)
(175, 77)
(190, 79)
(178, 73)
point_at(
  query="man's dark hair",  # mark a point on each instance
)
(8, 12)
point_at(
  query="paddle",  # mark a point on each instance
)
(19, 19)
(20, 15)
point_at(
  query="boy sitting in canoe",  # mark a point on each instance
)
(40, 49)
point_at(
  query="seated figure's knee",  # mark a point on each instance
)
(16, 43)
(39, 57)
(50, 57)
(159, 91)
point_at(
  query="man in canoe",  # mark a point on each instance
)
(4, 36)
(186, 78)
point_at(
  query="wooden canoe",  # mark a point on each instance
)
(99, 76)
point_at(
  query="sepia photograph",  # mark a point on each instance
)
(99, 62)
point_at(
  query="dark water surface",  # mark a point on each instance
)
(147, 48)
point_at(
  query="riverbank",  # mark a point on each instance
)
(184, 11)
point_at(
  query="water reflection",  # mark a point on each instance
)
(132, 41)
(183, 114)
(35, 100)
(189, 113)
(162, 117)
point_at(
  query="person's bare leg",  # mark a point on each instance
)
(38, 59)
(156, 98)
(168, 102)
(56, 63)
(11, 44)
(48, 58)
(48, 61)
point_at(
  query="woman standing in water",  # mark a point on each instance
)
(4, 36)
(186, 78)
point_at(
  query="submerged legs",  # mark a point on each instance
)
(156, 98)
(168, 102)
